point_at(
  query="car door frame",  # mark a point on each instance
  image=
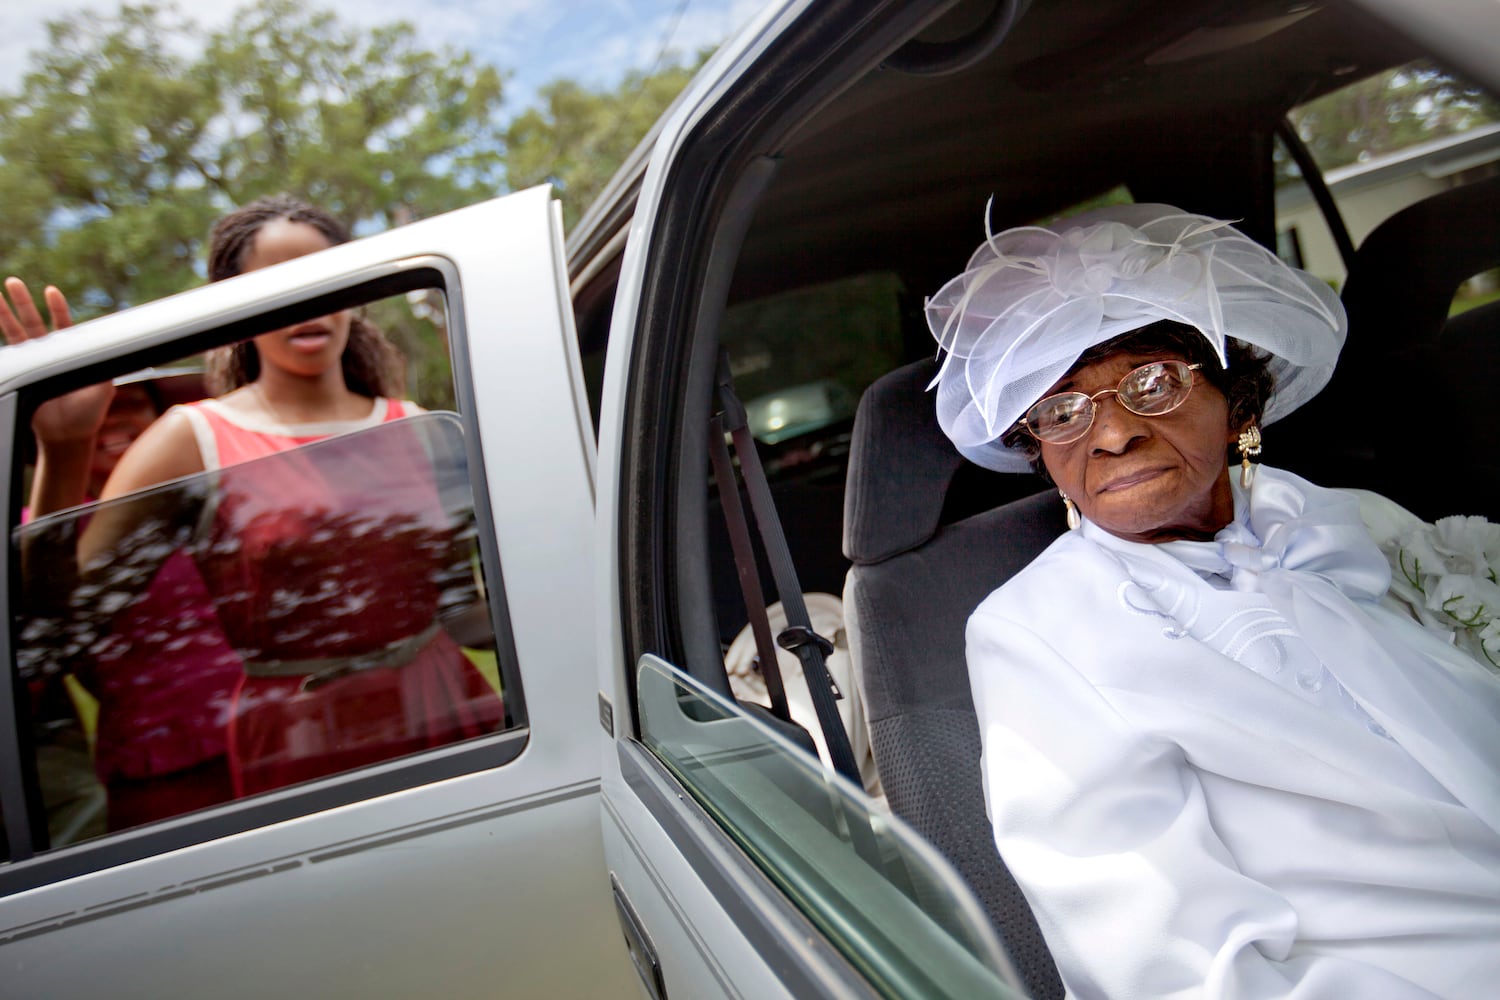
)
(719, 925)
(216, 880)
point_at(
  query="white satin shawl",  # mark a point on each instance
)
(1222, 769)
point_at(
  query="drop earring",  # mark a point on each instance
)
(1074, 518)
(1249, 448)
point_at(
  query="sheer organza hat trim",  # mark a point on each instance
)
(1034, 298)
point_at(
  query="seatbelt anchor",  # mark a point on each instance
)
(731, 410)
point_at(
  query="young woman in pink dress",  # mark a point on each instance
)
(326, 564)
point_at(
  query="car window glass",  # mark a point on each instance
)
(800, 359)
(1382, 143)
(1117, 195)
(879, 892)
(1480, 290)
(268, 622)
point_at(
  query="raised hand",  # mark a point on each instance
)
(22, 321)
(71, 419)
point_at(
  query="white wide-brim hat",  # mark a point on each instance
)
(1034, 298)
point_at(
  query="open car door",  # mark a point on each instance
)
(190, 805)
(829, 167)
(740, 866)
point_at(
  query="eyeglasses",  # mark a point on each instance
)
(1151, 390)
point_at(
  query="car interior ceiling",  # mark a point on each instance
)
(1074, 102)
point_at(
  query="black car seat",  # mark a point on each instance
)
(913, 583)
(1411, 410)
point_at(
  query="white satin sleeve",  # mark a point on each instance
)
(1106, 829)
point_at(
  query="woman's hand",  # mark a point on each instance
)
(66, 427)
(71, 419)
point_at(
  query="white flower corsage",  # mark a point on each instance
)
(1447, 574)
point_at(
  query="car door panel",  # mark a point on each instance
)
(407, 910)
(463, 870)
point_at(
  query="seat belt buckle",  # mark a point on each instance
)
(794, 637)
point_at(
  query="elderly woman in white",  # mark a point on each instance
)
(1216, 762)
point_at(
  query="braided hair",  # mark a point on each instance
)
(373, 366)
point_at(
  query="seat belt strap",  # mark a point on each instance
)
(811, 648)
(745, 565)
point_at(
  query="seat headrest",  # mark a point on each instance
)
(900, 465)
(1403, 277)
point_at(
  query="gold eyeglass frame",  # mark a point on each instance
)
(1093, 409)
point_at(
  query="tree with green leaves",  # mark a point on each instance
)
(578, 137)
(131, 134)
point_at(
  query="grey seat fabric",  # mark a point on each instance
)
(1406, 363)
(913, 584)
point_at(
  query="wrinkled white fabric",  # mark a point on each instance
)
(1223, 769)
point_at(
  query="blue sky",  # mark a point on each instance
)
(593, 41)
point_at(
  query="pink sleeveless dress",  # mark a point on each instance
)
(326, 568)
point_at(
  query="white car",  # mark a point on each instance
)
(627, 827)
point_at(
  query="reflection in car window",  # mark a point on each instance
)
(259, 625)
